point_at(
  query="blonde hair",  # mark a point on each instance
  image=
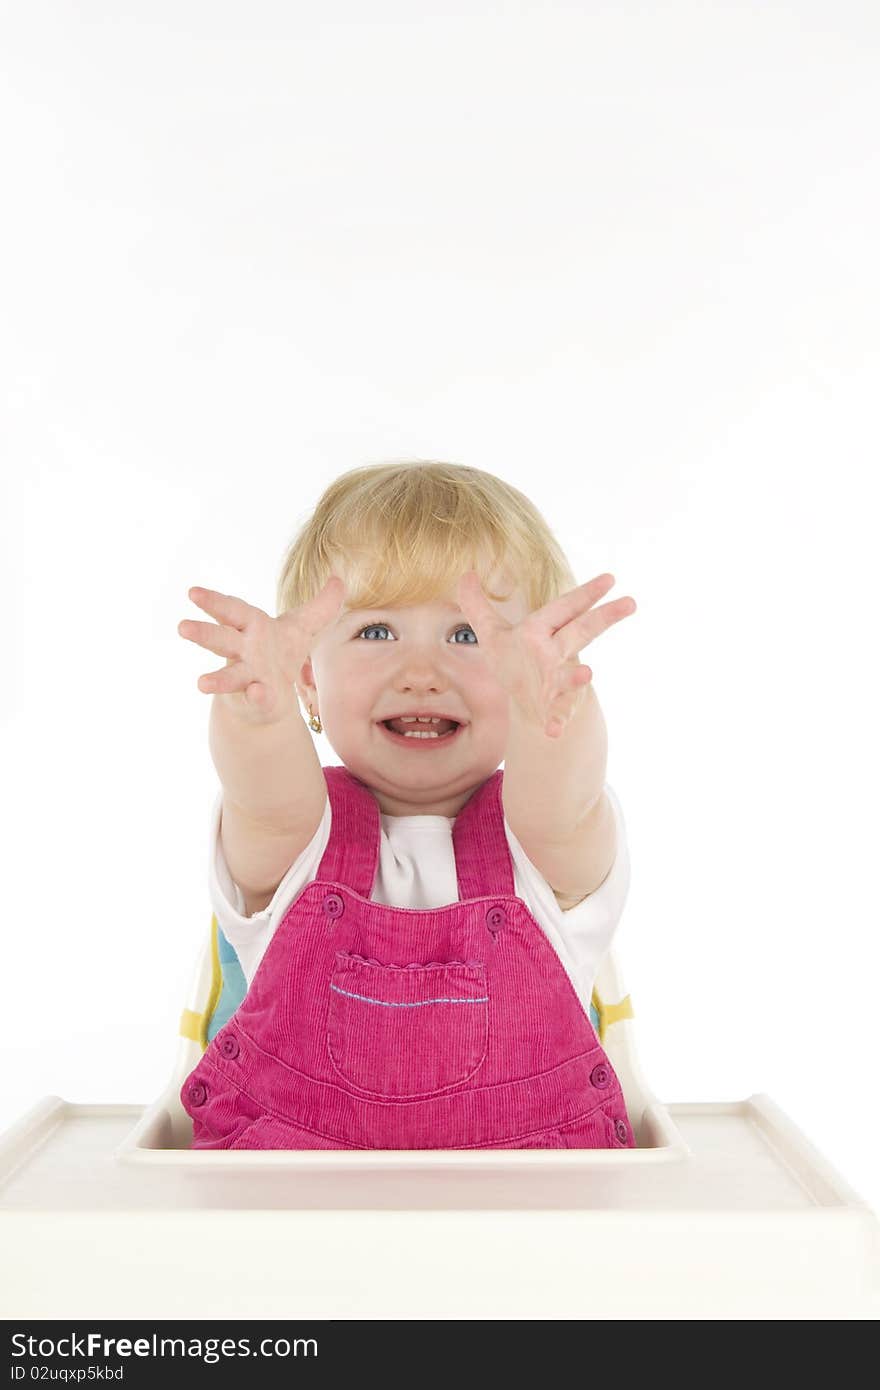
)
(405, 532)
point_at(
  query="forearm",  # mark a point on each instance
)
(551, 784)
(270, 772)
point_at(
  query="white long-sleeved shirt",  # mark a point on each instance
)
(417, 870)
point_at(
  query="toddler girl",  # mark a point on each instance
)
(419, 930)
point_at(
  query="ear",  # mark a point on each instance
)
(305, 686)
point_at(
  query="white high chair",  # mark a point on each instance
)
(723, 1210)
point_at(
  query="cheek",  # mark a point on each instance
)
(358, 687)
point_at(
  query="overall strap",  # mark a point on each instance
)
(482, 855)
(352, 853)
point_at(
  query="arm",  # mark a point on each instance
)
(554, 764)
(554, 799)
(274, 794)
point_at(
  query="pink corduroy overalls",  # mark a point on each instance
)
(376, 1027)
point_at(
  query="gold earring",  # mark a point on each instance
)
(315, 721)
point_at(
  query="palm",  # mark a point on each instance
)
(263, 654)
(536, 659)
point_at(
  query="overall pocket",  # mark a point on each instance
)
(400, 1031)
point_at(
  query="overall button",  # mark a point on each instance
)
(333, 905)
(600, 1076)
(229, 1046)
(496, 917)
(621, 1130)
(197, 1093)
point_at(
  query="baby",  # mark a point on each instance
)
(419, 930)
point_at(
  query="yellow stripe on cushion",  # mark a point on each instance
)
(192, 1026)
(195, 1026)
(611, 1013)
(216, 980)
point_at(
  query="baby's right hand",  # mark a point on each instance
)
(264, 654)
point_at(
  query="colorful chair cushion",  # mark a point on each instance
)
(229, 986)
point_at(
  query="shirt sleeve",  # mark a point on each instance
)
(249, 936)
(581, 934)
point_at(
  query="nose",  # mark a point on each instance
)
(420, 672)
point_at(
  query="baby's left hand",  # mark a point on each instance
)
(536, 659)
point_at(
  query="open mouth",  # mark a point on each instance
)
(422, 735)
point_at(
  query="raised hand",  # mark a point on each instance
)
(536, 659)
(264, 655)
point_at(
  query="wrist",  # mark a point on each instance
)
(235, 708)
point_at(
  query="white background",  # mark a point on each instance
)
(622, 255)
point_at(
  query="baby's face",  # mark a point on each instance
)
(374, 664)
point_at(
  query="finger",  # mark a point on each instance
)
(315, 614)
(234, 612)
(226, 680)
(567, 676)
(582, 631)
(562, 610)
(575, 676)
(475, 606)
(224, 641)
(260, 696)
(564, 703)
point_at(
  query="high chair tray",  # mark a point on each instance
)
(743, 1218)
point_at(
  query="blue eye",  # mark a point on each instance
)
(374, 627)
